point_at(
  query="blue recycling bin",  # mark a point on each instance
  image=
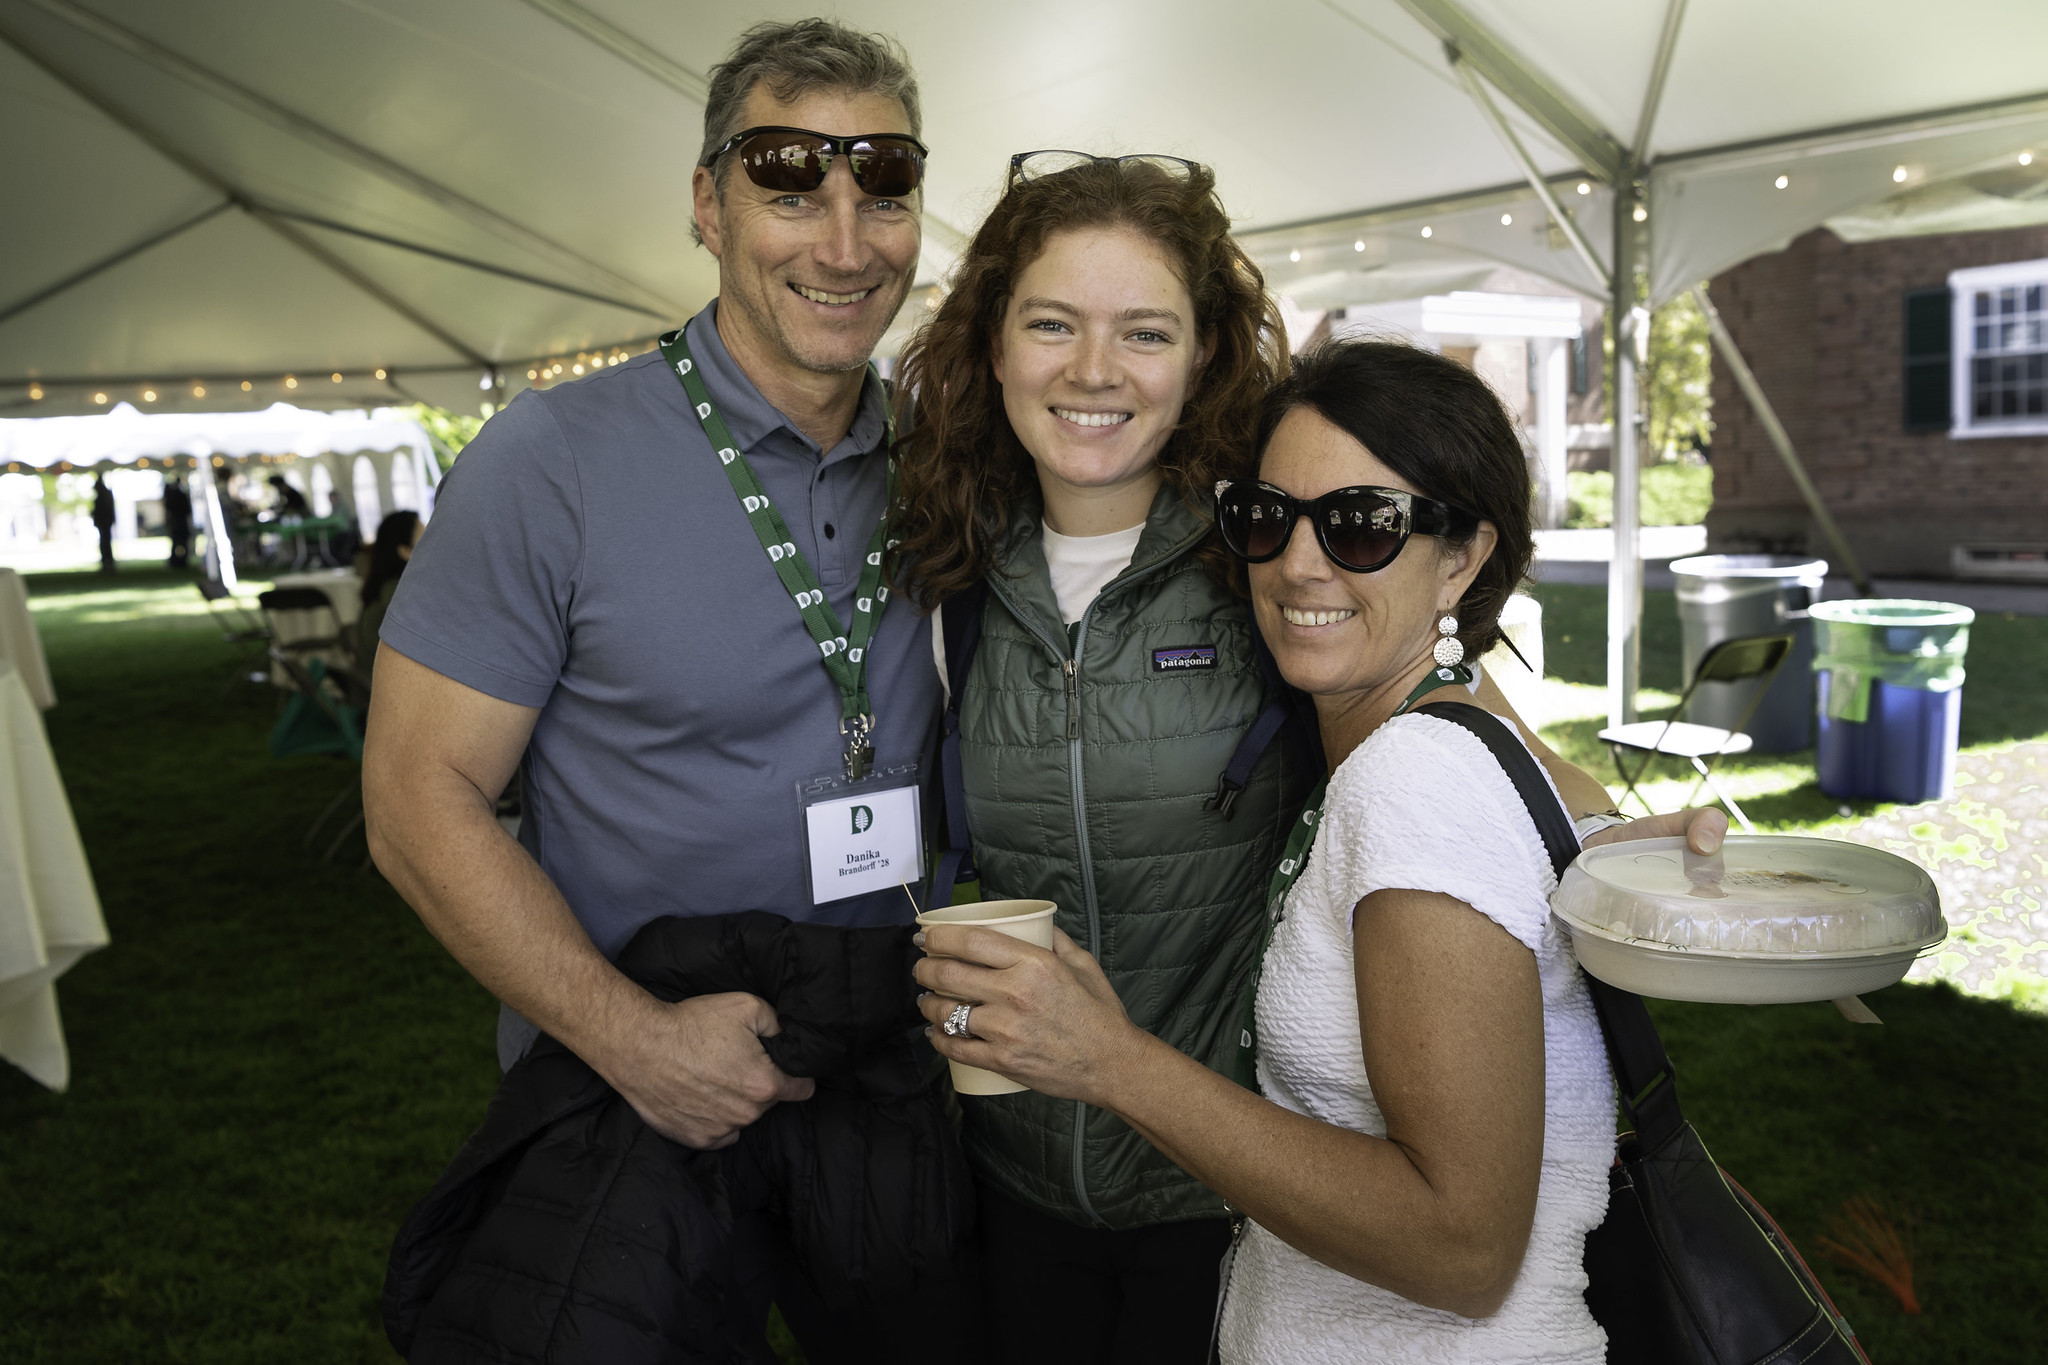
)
(1889, 697)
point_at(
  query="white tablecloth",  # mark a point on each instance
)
(19, 643)
(344, 590)
(49, 911)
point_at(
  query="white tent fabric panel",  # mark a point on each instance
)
(125, 435)
(553, 139)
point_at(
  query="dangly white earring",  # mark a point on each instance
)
(1450, 651)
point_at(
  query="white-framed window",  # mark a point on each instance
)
(1999, 367)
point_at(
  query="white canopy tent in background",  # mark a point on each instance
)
(390, 446)
(357, 196)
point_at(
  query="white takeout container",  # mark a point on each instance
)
(1771, 919)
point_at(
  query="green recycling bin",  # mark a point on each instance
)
(1889, 697)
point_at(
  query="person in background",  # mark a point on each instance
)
(103, 520)
(397, 534)
(178, 521)
(290, 501)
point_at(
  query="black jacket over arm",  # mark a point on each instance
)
(566, 1230)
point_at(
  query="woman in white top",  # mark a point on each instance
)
(1436, 1124)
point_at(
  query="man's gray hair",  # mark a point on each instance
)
(792, 58)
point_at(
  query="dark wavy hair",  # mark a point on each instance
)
(961, 468)
(394, 533)
(1436, 424)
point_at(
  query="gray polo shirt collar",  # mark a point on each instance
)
(752, 418)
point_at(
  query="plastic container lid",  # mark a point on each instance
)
(1774, 895)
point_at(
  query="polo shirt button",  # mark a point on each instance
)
(829, 532)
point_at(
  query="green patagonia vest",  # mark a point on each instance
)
(1086, 772)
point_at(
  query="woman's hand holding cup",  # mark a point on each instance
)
(1046, 1018)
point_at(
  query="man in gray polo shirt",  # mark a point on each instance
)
(592, 605)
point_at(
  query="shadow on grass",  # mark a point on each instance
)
(1941, 1114)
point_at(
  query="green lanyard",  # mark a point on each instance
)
(844, 651)
(1292, 860)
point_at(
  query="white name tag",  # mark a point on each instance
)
(872, 840)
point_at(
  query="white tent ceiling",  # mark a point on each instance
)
(298, 145)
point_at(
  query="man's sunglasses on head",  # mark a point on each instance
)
(796, 160)
(1361, 529)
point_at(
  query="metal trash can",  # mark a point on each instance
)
(1890, 697)
(1727, 597)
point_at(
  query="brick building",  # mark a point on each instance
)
(1913, 393)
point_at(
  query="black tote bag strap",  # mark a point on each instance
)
(960, 629)
(1642, 1071)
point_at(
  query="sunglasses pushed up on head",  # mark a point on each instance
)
(797, 160)
(1361, 529)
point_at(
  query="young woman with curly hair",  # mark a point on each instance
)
(1098, 364)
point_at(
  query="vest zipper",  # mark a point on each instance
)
(1072, 670)
(1070, 667)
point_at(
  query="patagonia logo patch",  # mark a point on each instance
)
(1184, 659)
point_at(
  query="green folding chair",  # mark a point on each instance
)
(319, 718)
(1751, 658)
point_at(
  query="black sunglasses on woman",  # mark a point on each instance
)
(1361, 529)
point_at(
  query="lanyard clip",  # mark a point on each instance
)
(860, 750)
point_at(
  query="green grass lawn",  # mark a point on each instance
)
(273, 1060)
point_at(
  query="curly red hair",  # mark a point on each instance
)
(961, 468)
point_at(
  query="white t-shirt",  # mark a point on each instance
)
(1083, 565)
(1423, 805)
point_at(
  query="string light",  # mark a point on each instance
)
(337, 376)
(1294, 256)
(380, 374)
(218, 462)
(1358, 245)
(2026, 158)
(99, 398)
(142, 463)
(1428, 231)
(245, 386)
(149, 395)
(1898, 175)
(1507, 220)
(577, 368)
(533, 374)
(1782, 181)
(35, 392)
(1640, 214)
(199, 390)
(290, 382)
(1584, 188)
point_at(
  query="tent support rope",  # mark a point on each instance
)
(1731, 356)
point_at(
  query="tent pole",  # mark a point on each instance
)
(1745, 379)
(363, 158)
(1653, 97)
(1625, 566)
(1468, 76)
(1557, 112)
(105, 264)
(206, 175)
(436, 253)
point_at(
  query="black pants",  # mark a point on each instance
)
(939, 1320)
(1060, 1294)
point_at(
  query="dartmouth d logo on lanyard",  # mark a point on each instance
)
(843, 652)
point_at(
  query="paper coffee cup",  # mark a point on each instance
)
(1028, 920)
